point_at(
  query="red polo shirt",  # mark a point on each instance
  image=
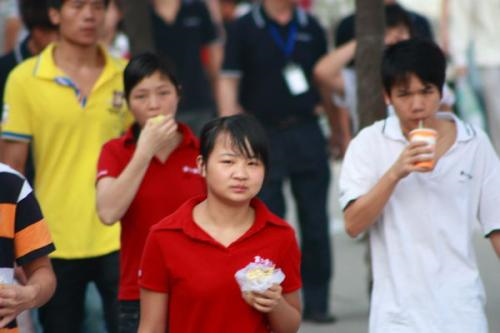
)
(197, 272)
(164, 188)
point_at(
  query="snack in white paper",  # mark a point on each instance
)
(259, 275)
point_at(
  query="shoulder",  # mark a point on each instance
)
(26, 69)
(369, 133)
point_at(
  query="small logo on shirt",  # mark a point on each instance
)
(117, 102)
(465, 176)
(193, 171)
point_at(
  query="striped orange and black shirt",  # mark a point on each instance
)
(24, 236)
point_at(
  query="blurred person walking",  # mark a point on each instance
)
(147, 173)
(68, 102)
(476, 24)
(267, 72)
(181, 29)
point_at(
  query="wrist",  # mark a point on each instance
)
(30, 296)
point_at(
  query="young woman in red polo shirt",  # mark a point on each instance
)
(188, 268)
(147, 173)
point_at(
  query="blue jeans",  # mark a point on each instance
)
(299, 154)
(64, 313)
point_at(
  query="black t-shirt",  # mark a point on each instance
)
(182, 41)
(8, 62)
(252, 54)
(345, 30)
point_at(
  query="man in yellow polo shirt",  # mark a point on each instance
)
(68, 102)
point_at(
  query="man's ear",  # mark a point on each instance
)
(201, 166)
(54, 16)
(387, 98)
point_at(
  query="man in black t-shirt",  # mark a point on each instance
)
(182, 31)
(269, 56)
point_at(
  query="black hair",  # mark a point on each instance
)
(420, 57)
(396, 16)
(144, 65)
(35, 14)
(246, 133)
(57, 4)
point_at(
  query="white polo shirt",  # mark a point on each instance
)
(424, 266)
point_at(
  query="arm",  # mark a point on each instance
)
(114, 195)
(283, 310)
(39, 289)
(495, 241)
(215, 52)
(15, 154)
(338, 119)
(364, 211)
(153, 312)
(227, 98)
(327, 70)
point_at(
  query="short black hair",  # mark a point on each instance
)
(35, 14)
(396, 16)
(246, 133)
(420, 57)
(144, 65)
(57, 4)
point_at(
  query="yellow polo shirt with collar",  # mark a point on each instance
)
(67, 132)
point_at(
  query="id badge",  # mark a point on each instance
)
(295, 79)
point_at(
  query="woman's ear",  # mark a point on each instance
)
(201, 166)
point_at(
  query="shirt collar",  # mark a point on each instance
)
(47, 69)
(182, 220)
(392, 129)
(261, 18)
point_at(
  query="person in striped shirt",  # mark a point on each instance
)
(25, 241)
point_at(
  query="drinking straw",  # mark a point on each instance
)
(420, 123)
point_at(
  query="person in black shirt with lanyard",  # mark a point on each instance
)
(269, 56)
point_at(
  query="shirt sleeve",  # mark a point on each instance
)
(16, 118)
(290, 266)
(153, 273)
(358, 174)
(209, 31)
(233, 48)
(32, 238)
(109, 164)
(489, 214)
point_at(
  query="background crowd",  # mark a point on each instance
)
(77, 126)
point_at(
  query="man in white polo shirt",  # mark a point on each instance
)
(421, 219)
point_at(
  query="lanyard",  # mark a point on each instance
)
(288, 45)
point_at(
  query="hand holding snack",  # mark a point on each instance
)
(266, 301)
(157, 133)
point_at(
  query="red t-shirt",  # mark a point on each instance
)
(197, 272)
(164, 188)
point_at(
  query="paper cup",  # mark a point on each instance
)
(6, 276)
(428, 136)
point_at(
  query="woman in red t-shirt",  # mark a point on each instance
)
(147, 173)
(187, 273)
